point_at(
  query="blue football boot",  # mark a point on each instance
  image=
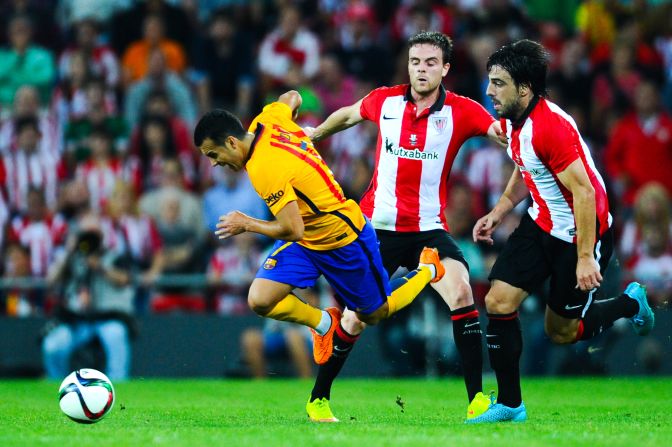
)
(644, 320)
(501, 413)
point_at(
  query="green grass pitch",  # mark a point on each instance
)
(562, 412)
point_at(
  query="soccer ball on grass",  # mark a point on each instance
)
(86, 396)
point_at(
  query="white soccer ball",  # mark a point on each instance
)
(86, 396)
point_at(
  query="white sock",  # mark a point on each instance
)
(431, 267)
(325, 323)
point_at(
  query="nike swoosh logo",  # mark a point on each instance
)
(390, 117)
(490, 335)
(568, 307)
(472, 324)
(336, 348)
(592, 349)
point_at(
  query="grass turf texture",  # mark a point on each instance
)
(569, 412)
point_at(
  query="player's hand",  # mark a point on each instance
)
(309, 131)
(484, 228)
(231, 224)
(497, 135)
(588, 276)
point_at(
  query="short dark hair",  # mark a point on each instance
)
(434, 38)
(217, 125)
(26, 121)
(526, 61)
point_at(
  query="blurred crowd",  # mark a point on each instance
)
(98, 99)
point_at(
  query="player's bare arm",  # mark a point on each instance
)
(497, 135)
(515, 192)
(575, 178)
(287, 226)
(293, 99)
(339, 120)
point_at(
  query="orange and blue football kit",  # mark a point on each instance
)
(339, 241)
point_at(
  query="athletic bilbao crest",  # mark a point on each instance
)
(439, 123)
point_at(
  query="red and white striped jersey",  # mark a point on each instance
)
(543, 145)
(21, 170)
(414, 155)
(100, 179)
(136, 235)
(41, 237)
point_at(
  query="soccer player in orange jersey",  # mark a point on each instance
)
(318, 231)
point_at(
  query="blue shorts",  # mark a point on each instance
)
(355, 272)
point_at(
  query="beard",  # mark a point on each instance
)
(511, 111)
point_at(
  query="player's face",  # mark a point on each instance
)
(504, 93)
(426, 68)
(223, 155)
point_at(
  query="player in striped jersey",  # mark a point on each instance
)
(318, 231)
(566, 236)
(421, 128)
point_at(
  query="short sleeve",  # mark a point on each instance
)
(558, 144)
(372, 104)
(479, 120)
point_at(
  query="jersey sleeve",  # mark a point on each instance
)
(479, 118)
(274, 113)
(274, 187)
(558, 145)
(372, 104)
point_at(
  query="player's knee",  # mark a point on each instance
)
(561, 336)
(460, 296)
(252, 340)
(258, 305)
(498, 304)
(371, 319)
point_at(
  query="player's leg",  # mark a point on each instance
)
(522, 266)
(252, 347)
(574, 315)
(295, 339)
(114, 338)
(288, 266)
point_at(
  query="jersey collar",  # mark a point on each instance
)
(520, 121)
(437, 106)
(257, 134)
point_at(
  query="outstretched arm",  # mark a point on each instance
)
(515, 192)
(339, 120)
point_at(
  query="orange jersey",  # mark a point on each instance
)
(284, 166)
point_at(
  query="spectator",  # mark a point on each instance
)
(28, 167)
(40, 231)
(27, 104)
(17, 301)
(101, 172)
(172, 185)
(334, 88)
(160, 78)
(279, 341)
(102, 62)
(178, 257)
(100, 112)
(72, 12)
(154, 147)
(24, 63)
(357, 49)
(96, 302)
(646, 242)
(226, 58)
(232, 192)
(126, 229)
(289, 55)
(136, 59)
(640, 147)
(231, 269)
(571, 82)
